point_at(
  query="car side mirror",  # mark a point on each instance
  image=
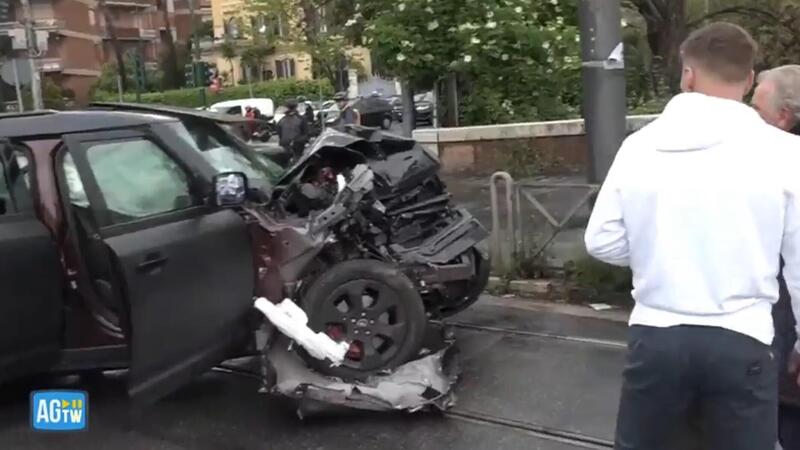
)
(230, 189)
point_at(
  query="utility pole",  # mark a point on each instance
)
(33, 52)
(197, 54)
(604, 102)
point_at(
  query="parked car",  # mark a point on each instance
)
(423, 108)
(375, 112)
(238, 107)
(397, 107)
(136, 236)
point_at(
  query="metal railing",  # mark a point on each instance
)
(510, 238)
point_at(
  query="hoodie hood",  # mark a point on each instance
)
(693, 122)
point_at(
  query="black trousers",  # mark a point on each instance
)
(785, 337)
(673, 375)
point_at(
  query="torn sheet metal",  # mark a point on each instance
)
(425, 383)
(292, 321)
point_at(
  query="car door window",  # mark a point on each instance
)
(136, 179)
(15, 182)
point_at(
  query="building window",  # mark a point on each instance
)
(285, 68)
(92, 19)
(281, 24)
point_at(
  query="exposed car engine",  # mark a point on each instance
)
(371, 246)
(403, 215)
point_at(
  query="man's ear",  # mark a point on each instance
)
(687, 79)
(751, 79)
(786, 119)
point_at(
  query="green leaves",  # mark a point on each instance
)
(278, 91)
(520, 58)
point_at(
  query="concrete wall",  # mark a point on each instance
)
(540, 152)
(549, 148)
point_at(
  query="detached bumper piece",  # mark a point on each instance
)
(423, 384)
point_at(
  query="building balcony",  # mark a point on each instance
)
(131, 3)
(133, 34)
(49, 65)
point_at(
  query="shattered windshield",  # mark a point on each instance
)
(222, 152)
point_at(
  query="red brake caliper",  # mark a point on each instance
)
(356, 350)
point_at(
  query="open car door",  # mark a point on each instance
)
(31, 285)
(184, 269)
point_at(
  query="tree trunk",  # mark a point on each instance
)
(112, 34)
(666, 30)
(409, 113)
(172, 73)
(452, 100)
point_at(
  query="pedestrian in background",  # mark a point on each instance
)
(701, 204)
(293, 130)
(777, 99)
(347, 114)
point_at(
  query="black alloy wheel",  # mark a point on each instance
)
(375, 308)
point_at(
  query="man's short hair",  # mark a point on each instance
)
(786, 82)
(723, 50)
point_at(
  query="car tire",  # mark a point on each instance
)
(474, 287)
(389, 324)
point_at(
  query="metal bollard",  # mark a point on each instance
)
(503, 240)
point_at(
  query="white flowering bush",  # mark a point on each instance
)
(518, 59)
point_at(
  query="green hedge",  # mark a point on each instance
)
(278, 91)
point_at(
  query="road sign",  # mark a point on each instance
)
(23, 71)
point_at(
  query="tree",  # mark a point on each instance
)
(173, 72)
(115, 44)
(229, 51)
(306, 30)
(515, 59)
(667, 22)
(666, 28)
(254, 56)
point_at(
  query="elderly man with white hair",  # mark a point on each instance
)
(777, 100)
(777, 97)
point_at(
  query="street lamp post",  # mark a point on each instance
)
(33, 52)
(604, 103)
(198, 77)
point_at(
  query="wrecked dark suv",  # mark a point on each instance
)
(137, 237)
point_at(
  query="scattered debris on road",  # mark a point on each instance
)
(422, 384)
(601, 306)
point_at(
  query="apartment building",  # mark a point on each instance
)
(285, 61)
(79, 41)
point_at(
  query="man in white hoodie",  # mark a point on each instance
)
(701, 204)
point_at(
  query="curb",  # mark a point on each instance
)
(552, 295)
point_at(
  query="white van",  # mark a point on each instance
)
(237, 107)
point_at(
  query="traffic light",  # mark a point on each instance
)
(210, 73)
(199, 74)
(188, 74)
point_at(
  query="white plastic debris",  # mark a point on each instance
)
(600, 306)
(292, 321)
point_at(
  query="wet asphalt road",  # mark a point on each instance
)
(514, 385)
